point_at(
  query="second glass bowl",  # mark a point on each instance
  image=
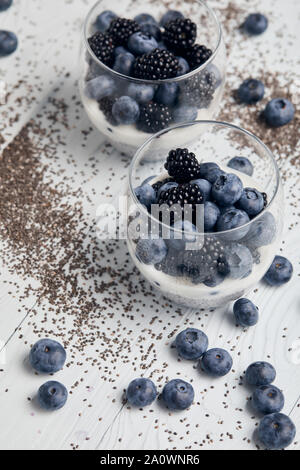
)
(200, 90)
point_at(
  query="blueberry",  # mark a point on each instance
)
(251, 201)
(280, 271)
(279, 112)
(239, 261)
(245, 312)
(5, 4)
(276, 431)
(8, 43)
(120, 50)
(140, 43)
(267, 399)
(146, 195)
(141, 392)
(145, 18)
(262, 231)
(140, 92)
(216, 362)
(251, 91)
(214, 279)
(165, 187)
(184, 67)
(178, 394)
(185, 113)
(182, 234)
(123, 63)
(151, 251)
(191, 343)
(241, 164)
(52, 395)
(47, 356)
(255, 24)
(170, 15)
(227, 189)
(104, 19)
(126, 110)
(211, 214)
(100, 87)
(205, 187)
(151, 29)
(210, 171)
(260, 373)
(167, 94)
(233, 219)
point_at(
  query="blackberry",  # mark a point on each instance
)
(180, 196)
(154, 117)
(199, 90)
(180, 34)
(121, 29)
(159, 184)
(182, 165)
(265, 199)
(105, 105)
(103, 47)
(197, 55)
(157, 65)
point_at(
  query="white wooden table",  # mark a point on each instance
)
(94, 417)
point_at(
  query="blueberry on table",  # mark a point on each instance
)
(251, 201)
(280, 271)
(5, 4)
(216, 362)
(255, 24)
(104, 20)
(239, 261)
(278, 112)
(245, 312)
(205, 187)
(191, 343)
(100, 87)
(227, 189)
(151, 251)
(211, 215)
(140, 92)
(151, 29)
(262, 231)
(141, 43)
(123, 63)
(167, 94)
(47, 356)
(126, 110)
(233, 219)
(8, 43)
(260, 373)
(241, 164)
(276, 431)
(145, 18)
(146, 195)
(185, 113)
(170, 15)
(178, 394)
(251, 91)
(52, 395)
(141, 392)
(210, 171)
(267, 399)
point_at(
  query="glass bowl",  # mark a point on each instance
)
(182, 269)
(200, 90)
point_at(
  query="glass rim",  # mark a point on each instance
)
(153, 82)
(223, 124)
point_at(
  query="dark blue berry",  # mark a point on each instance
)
(141, 93)
(255, 24)
(52, 395)
(8, 43)
(251, 91)
(260, 373)
(178, 394)
(184, 67)
(120, 50)
(123, 63)
(216, 362)
(267, 399)
(241, 164)
(47, 356)
(170, 15)
(146, 195)
(167, 94)
(5, 4)
(262, 231)
(214, 279)
(227, 189)
(280, 271)
(251, 201)
(279, 112)
(185, 114)
(211, 215)
(145, 18)
(104, 19)
(140, 43)
(239, 261)
(245, 312)
(181, 234)
(126, 110)
(100, 87)
(151, 29)
(205, 187)
(232, 219)
(151, 251)
(210, 171)
(141, 392)
(191, 343)
(276, 431)
(166, 187)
